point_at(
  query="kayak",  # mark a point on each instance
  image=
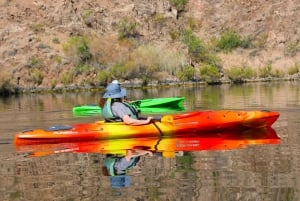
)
(168, 146)
(96, 110)
(155, 105)
(167, 125)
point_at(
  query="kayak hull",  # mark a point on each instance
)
(168, 125)
(168, 146)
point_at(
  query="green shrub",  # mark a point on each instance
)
(179, 4)
(196, 47)
(34, 62)
(36, 76)
(81, 69)
(174, 34)
(127, 28)
(229, 40)
(77, 47)
(103, 76)
(119, 71)
(239, 74)
(66, 78)
(187, 73)
(265, 71)
(210, 73)
(58, 59)
(294, 69)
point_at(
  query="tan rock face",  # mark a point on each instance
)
(32, 32)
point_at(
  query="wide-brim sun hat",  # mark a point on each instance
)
(114, 91)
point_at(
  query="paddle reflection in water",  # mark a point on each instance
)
(134, 148)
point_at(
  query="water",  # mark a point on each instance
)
(268, 172)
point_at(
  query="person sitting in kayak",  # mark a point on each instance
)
(116, 108)
(116, 167)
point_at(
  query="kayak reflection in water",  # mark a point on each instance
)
(115, 108)
(116, 166)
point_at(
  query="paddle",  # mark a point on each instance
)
(136, 103)
(164, 119)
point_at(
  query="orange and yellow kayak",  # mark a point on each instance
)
(168, 146)
(168, 125)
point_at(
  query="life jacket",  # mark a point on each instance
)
(108, 115)
(110, 162)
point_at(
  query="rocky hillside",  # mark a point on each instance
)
(33, 34)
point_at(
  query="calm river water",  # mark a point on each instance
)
(258, 172)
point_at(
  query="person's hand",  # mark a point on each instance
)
(149, 119)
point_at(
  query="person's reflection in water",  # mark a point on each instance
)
(116, 166)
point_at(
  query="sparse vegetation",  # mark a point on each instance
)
(36, 28)
(179, 4)
(77, 48)
(292, 48)
(66, 78)
(187, 73)
(294, 69)
(239, 74)
(210, 73)
(265, 71)
(36, 76)
(230, 40)
(127, 28)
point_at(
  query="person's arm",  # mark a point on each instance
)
(135, 153)
(135, 122)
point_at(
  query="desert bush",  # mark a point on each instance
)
(260, 41)
(187, 73)
(230, 40)
(179, 4)
(147, 59)
(196, 47)
(159, 20)
(66, 77)
(127, 28)
(198, 51)
(119, 71)
(36, 28)
(239, 74)
(174, 34)
(77, 47)
(34, 62)
(278, 73)
(81, 69)
(36, 76)
(265, 71)
(210, 73)
(104, 76)
(291, 48)
(294, 69)
(108, 50)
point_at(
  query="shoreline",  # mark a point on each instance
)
(10, 91)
